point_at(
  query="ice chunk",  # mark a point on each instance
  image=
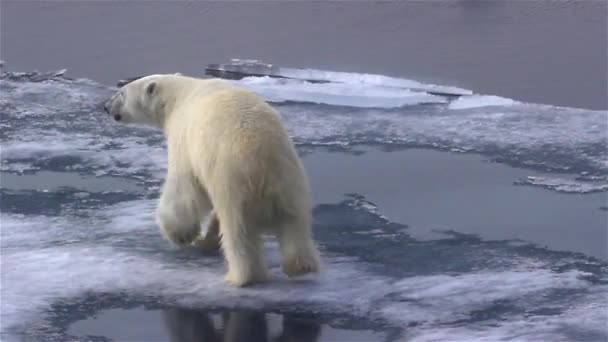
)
(475, 101)
(564, 184)
(238, 69)
(340, 94)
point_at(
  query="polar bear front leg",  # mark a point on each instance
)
(211, 241)
(181, 207)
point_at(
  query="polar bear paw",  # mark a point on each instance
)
(240, 279)
(180, 237)
(298, 265)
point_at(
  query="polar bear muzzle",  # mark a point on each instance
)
(110, 107)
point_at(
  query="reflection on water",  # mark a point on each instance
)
(192, 325)
(195, 325)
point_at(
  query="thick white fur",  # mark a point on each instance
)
(229, 155)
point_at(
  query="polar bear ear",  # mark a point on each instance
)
(178, 74)
(150, 88)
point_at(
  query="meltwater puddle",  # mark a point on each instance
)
(187, 325)
(60, 193)
(431, 190)
(53, 181)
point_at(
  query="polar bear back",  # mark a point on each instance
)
(232, 130)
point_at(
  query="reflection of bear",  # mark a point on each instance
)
(229, 155)
(184, 325)
(245, 326)
(299, 330)
(189, 326)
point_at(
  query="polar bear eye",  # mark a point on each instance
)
(150, 88)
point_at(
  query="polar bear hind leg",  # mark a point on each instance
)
(298, 252)
(243, 249)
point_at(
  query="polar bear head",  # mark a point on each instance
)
(151, 99)
(141, 101)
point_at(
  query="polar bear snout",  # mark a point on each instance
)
(106, 107)
(112, 105)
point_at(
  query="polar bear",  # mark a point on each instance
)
(229, 156)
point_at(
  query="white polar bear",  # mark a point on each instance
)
(229, 155)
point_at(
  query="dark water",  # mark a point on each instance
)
(56, 181)
(429, 190)
(185, 325)
(534, 51)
